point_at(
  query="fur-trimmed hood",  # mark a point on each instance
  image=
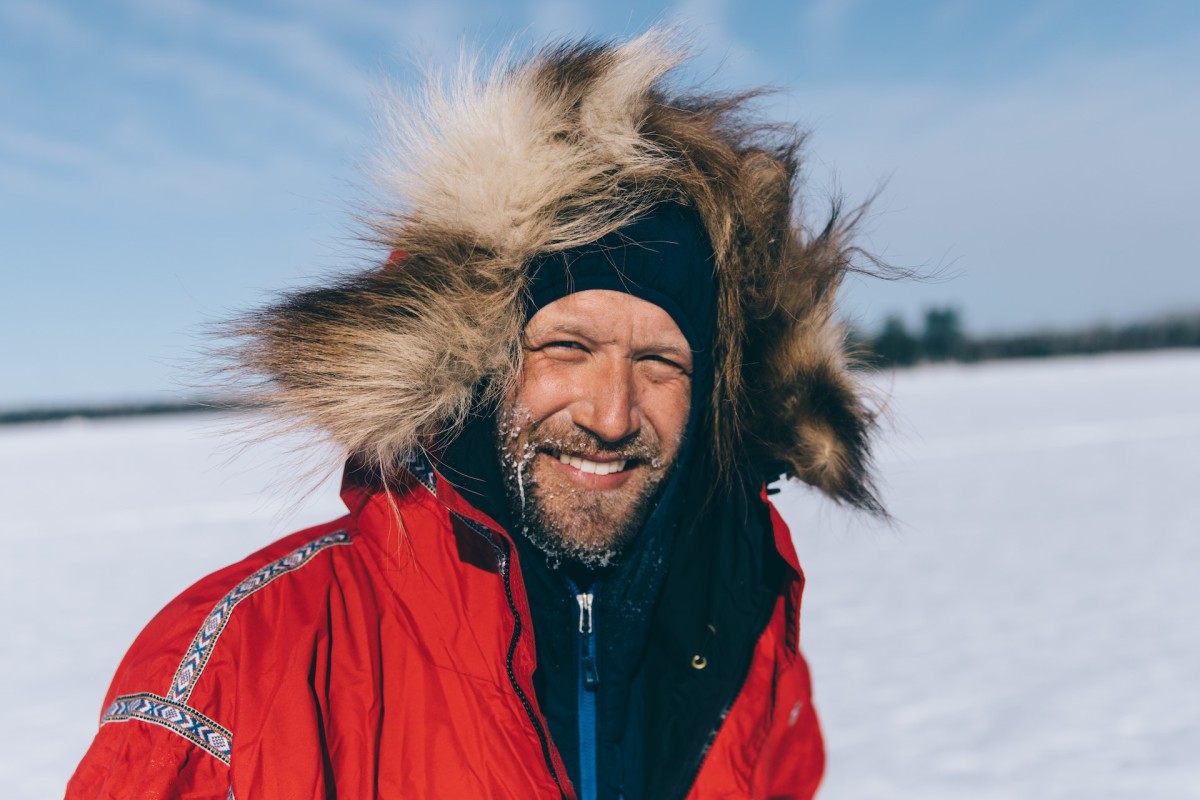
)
(487, 172)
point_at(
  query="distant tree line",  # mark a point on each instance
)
(58, 413)
(941, 338)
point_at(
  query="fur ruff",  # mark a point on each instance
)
(486, 172)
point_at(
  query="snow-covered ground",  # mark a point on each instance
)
(1029, 628)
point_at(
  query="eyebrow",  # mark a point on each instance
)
(549, 331)
(555, 328)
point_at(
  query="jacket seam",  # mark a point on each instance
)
(505, 567)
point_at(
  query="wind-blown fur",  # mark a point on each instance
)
(487, 172)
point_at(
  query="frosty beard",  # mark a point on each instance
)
(567, 521)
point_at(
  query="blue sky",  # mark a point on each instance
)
(165, 163)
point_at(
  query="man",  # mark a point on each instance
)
(599, 334)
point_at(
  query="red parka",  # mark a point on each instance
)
(390, 654)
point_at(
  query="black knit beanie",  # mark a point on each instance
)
(663, 257)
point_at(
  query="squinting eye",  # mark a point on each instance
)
(667, 363)
(565, 344)
(562, 349)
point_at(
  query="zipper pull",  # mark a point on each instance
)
(585, 613)
(591, 676)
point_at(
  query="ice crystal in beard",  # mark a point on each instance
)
(567, 521)
(515, 461)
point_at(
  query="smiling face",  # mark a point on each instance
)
(595, 422)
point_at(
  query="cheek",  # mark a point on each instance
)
(541, 390)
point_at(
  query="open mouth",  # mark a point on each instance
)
(590, 467)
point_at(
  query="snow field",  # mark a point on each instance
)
(1026, 629)
(1030, 628)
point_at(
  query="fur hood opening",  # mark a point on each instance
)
(485, 172)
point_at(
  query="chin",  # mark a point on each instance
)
(588, 526)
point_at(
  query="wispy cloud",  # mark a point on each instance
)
(237, 98)
(44, 24)
(159, 99)
(294, 44)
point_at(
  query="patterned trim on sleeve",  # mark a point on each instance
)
(175, 717)
(202, 645)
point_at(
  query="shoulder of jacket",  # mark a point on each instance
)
(212, 599)
(169, 654)
(156, 679)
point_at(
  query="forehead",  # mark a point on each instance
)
(608, 316)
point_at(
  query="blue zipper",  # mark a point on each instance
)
(589, 681)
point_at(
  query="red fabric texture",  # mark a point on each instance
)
(373, 663)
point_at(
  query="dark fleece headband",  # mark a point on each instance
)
(663, 257)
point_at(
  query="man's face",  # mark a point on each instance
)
(595, 421)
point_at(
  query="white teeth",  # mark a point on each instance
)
(592, 467)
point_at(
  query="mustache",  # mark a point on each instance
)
(548, 436)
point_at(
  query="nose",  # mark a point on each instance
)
(609, 407)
